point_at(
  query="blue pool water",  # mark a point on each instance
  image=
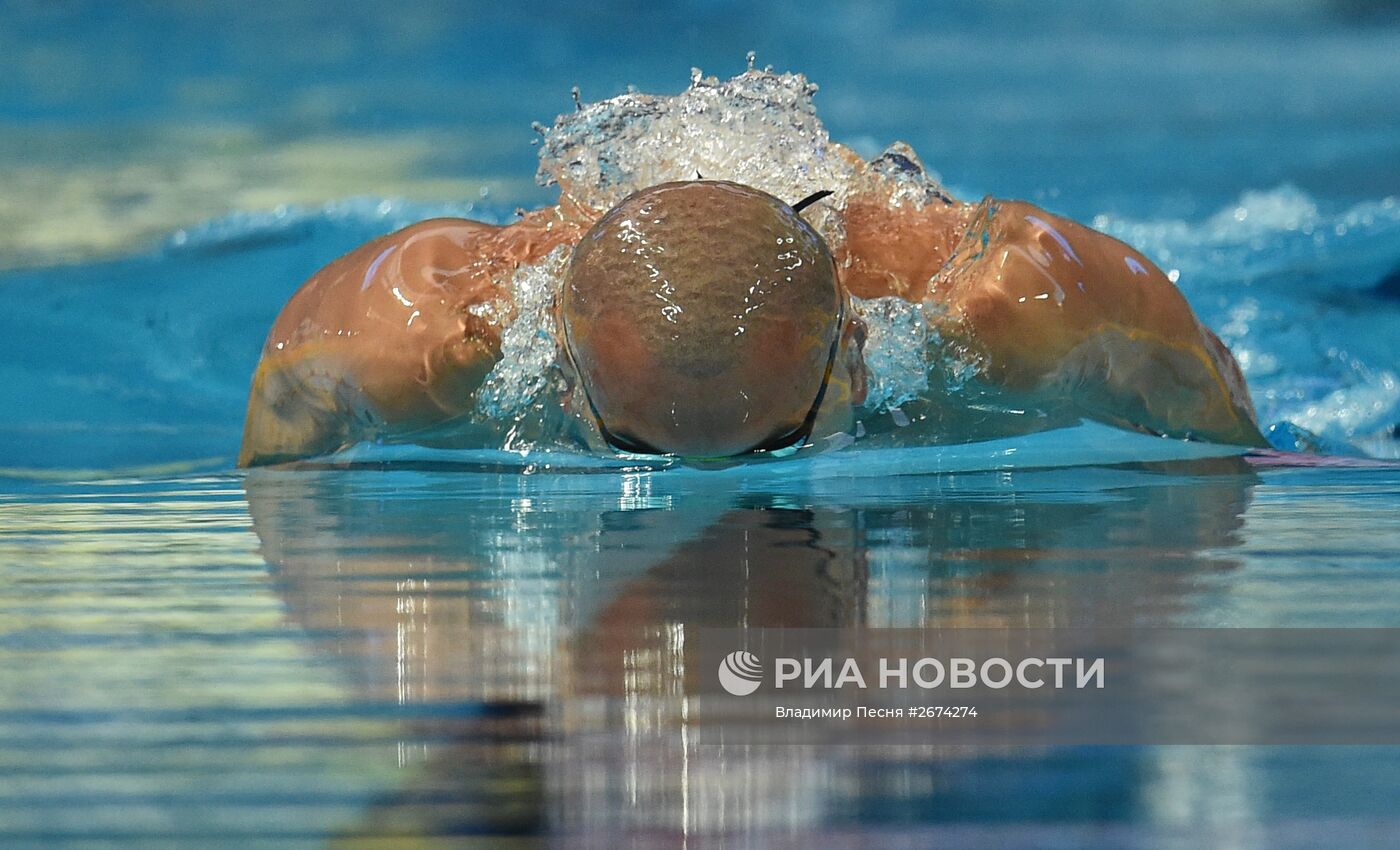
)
(192, 657)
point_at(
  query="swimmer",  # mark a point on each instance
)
(707, 319)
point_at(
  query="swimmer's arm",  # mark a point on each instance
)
(377, 345)
(1051, 307)
(288, 418)
(316, 403)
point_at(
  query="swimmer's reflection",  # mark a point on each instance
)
(533, 605)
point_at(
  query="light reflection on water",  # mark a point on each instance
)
(296, 655)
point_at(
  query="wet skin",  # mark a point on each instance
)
(392, 341)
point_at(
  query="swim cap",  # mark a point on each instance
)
(703, 319)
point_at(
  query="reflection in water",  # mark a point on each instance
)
(465, 657)
(548, 618)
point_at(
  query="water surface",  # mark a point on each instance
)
(288, 656)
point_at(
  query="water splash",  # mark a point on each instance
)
(896, 351)
(759, 128)
(530, 354)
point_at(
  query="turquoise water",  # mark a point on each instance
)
(407, 646)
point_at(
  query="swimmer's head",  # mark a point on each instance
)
(703, 318)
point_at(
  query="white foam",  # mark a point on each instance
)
(530, 353)
(896, 351)
(759, 128)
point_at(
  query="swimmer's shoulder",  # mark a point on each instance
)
(393, 337)
(1046, 301)
(380, 284)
